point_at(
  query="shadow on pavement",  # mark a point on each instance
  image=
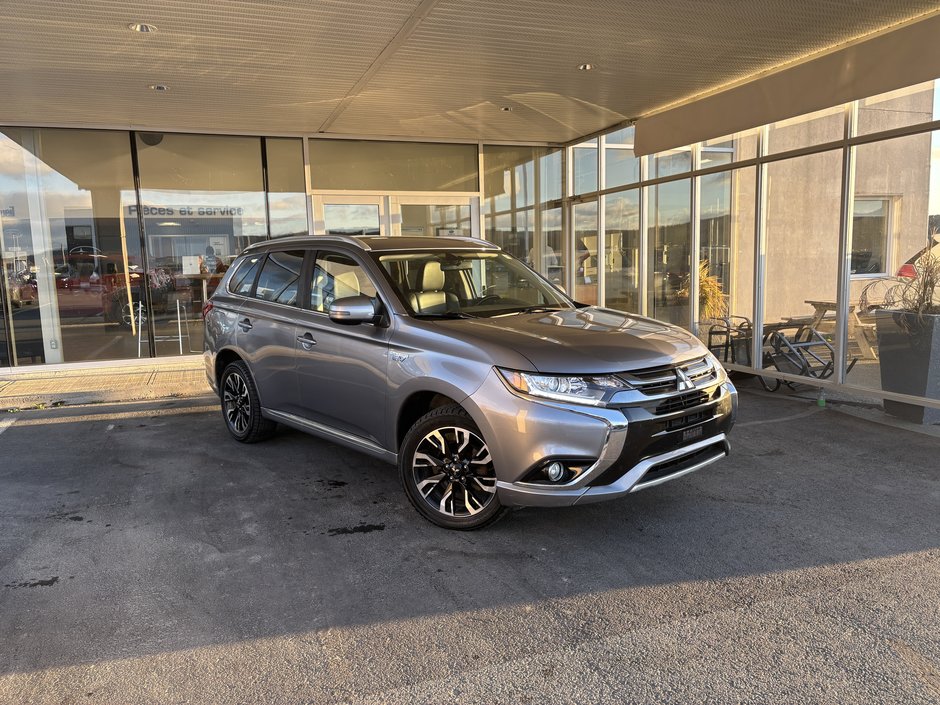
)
(128, 530)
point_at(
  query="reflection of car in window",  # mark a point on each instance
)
(908, 270)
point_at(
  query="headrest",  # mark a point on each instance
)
(432, 278)
(345, 284)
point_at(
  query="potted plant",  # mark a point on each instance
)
(907, 321)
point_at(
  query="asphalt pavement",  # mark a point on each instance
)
(145, 557)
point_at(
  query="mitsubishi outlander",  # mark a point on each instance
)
(485, 384)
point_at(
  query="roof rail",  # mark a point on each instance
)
(348, 239)
(486, 244)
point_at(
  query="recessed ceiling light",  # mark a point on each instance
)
(586, 67)
(159, 87)
(506, 108)
(142, 27)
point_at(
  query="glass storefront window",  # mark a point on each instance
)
(432, 220)
(553, 263)
(727, 150)
(726, 281)
(203, 202)
(532, 232)
(550, 175)
(337, 165)
(622, 166)
(806, 130)
(351, 219)
(673, 161)
(287, 194)
(901, 108)
(670, 252)
(895, 230)
(622, 250)
(584, 167)
(802, 258)
(584, 224)
(70, 246)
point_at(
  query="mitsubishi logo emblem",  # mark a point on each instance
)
(684, 383)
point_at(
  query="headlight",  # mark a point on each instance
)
(579, 390)
(720, 373)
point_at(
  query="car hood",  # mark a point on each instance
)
(587, 340)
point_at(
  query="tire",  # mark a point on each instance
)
(447, 473)
(241, 406)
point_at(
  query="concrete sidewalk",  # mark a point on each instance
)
(99, 383)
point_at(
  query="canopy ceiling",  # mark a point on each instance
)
(435, 69)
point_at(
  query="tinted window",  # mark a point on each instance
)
(244, 276)
(279, 277)
(337, 276)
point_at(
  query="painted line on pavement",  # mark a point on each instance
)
(6, 423)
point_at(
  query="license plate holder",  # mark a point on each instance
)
(691, 434)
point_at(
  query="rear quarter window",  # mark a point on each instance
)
(243, 280)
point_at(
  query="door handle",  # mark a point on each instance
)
(306, 340)
(245, 324)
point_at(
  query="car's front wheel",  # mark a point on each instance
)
(241, 406)
(447, 471)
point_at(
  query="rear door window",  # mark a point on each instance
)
(280, 277)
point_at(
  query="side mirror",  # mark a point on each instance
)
(352, 310)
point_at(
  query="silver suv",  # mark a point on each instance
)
(483, 382)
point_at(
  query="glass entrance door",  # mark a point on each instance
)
(435, 216)
(350, 215)
(401, 215)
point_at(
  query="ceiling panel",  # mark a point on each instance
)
(286, 67)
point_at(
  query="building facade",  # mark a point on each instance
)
(111, 240)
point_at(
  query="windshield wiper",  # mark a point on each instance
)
(444, 314)
(533, 309)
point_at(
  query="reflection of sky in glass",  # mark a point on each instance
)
(351, 217)
(622, 211)
(715, 195)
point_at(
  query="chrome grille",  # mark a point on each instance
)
(664, 379)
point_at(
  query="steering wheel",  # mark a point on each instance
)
(487, 298)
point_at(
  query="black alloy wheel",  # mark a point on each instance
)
(241, 406)
(447, 471)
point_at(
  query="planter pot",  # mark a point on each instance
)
(910, 362)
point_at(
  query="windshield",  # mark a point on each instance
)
(459, 284)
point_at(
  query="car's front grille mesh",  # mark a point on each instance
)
(681, 401)
(658, 380)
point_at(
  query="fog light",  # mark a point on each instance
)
(555, 471)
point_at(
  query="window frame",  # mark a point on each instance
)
(267, 257)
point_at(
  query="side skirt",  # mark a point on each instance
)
(331, 434)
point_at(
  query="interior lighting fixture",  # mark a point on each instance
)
(142, 27)
(586, 67)
(159, 87)
(506, 108)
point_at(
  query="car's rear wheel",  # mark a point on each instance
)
(447, 471)
(241, 406)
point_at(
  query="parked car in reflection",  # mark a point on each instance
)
(908, 270)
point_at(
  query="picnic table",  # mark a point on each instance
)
(856, 329)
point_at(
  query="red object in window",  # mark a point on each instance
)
(907, 271)
(206, 307)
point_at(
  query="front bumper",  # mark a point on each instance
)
(627, 448)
